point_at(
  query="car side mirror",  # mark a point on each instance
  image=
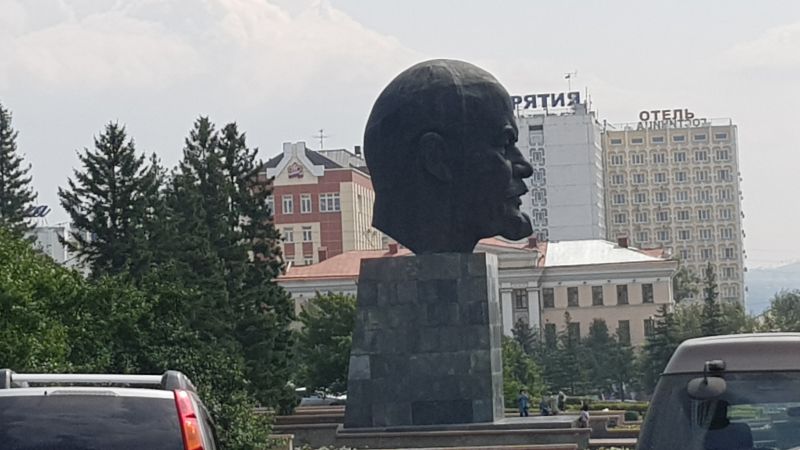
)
(708, 387)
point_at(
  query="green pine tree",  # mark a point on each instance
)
(106, 201)
(659, 347)
(598, 346)
(16, 193)
(711, 324)
(526, 336)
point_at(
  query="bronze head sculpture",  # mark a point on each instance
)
(440, 145)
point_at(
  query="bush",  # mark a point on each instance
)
(631, 416)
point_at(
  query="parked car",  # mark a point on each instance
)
(100, 411)
(738, 392)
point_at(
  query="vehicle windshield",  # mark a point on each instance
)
(88, 422)
(759, 410)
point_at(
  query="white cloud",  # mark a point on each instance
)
(776, 49)
(251, 46)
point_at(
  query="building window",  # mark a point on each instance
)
(726, 233)
(539, 217)
(574, 332)
(679, 157)
(703, 196)
(617, 160)
(270, 202)
(699, 137)
(657, 140)
(622, 294)
(701, 156)
(288, 204)
(660, 177)
(538, 176)
(682, 197)
(728, 273)
(641, 217)
(642, 237)
(659, 157)
(550, 334)
(624, 332)
(680, 177)
(729, 253)
(662, 216)
(726, 214)
(572, 297)
(305, 203)
(640, 197)
(639, 178)
(706, 234)
(617, 179)
(720, 136)
(548, 298)
(701, 176)
(329, 202)
(686, 254)
(539, 197)
(637, 159)
(647, 293)
(597, 295)
(662, 197)
(684, 235)
(723, 155)
(704, 215)
(616, 141)
(618, 199)
(649, 327)
(707, 254)
(520, 298)
(683, 215)
(288, 235)
(537, 156)
(307, 236)
(725, 195)
(620, 218)
(678, 138)
(723, 175)
(663, 235)
(637, 141)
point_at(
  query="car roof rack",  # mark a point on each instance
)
(169, 380)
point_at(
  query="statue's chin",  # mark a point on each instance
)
(517, 227)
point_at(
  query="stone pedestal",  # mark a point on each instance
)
(427, 342)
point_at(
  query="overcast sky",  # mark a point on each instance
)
(284, 69)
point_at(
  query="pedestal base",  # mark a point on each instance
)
(427, 342)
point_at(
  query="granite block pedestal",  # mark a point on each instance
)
(427, 342)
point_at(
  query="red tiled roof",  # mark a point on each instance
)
(344, 265)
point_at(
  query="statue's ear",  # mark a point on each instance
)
(432, 156)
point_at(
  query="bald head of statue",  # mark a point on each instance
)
(440, 145)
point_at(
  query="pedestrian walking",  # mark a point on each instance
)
(583, 419)
(524, 403)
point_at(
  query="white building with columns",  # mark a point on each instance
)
(539, 283)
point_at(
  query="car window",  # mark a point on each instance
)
(757, 410)
(88, 422)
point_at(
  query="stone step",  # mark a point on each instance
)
(502, 447)
(620, 442)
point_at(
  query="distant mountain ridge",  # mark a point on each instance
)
(764, 282)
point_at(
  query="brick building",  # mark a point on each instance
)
(322, 202)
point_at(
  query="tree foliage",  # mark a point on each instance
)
(520, 371)
(323, 347)
(685, 284)
(16, 193)
(783, 313)
(711, 324)
(107, 202)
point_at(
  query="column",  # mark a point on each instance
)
(507, 309)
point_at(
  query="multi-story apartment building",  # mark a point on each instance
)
(564, 147)
(674, 184)
(322, 202)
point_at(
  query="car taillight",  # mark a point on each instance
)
(190, 426)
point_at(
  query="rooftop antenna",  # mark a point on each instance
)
(321, 136)
(569, 76)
